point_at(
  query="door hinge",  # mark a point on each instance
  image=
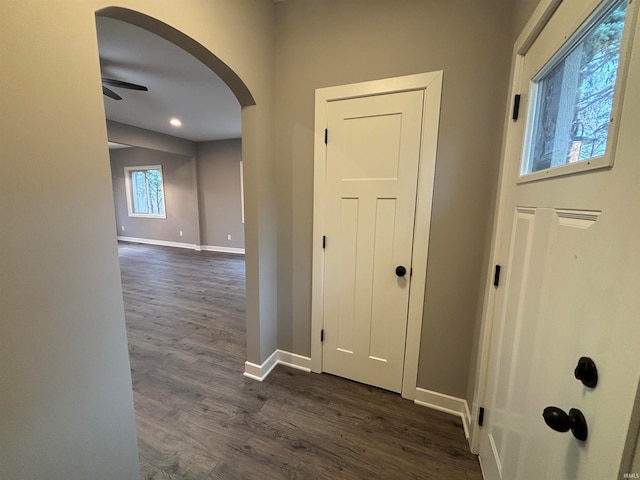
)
(481, 416)
(496, 276)
(324, 241)
(322, 335)
(326, 135)
(516, 107)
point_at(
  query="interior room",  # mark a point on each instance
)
(517, 279)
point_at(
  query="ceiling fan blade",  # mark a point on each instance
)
(110, 93)
(121, 84)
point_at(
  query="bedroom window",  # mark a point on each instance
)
(574, 95)
(145, 191)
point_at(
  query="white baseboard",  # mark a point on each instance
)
(164, 243)
(190, 246)
(445, 403)
(260, 372)
(294, 360)
(213, 248)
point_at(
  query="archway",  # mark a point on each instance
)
(259, 268)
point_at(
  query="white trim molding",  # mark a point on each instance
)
(213, 248)
(445, 403)
(190, 246)
(162, 243)
(431, 85)
(278, 357)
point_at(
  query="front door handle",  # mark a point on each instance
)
(558, 420)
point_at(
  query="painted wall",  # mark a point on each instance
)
(219, 193)
(179, 190)
(330, 42)
(66, 398)
(522, 11)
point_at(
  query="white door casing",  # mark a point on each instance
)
(568, 247)
(426, 90)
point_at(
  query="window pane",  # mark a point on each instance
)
(574, 98)
(139, 192)
(154, 182)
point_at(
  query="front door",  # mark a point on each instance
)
(570, 249)
(373, 151)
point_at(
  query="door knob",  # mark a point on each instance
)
(586, 372)
(401, 271)
(558, 420)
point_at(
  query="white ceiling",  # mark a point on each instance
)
(179, 85)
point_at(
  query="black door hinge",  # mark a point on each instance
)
(322, 335)
(481, 416)
(324, 241)
(516, 107)
(496, 276)
(326, 135)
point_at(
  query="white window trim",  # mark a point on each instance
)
(595, 163)
(129, 191)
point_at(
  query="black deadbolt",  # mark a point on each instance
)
(401, 271)
(558, 420)
(587, 372)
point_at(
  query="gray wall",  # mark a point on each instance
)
(141, 137)
(522, 11)
(219, 193)
(66, 401)
(330, 42)
(179, 190)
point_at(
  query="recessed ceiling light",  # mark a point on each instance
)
(175, 122)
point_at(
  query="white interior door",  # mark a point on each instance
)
(373, 151)
(571, 256)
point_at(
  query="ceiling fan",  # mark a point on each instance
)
(120, 84)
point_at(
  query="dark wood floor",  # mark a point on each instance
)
(198, 417)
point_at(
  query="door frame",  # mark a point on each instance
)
(431, 84)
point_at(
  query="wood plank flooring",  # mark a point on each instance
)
(199, 418)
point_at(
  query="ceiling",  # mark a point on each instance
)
(179, 86)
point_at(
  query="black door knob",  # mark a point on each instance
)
(558, 420)
(401, 271)
(587, 372)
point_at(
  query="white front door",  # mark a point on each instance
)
(373, 150)
(570, 251)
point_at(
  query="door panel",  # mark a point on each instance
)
(372, 170)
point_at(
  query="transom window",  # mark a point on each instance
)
(145, 191)
(573, 95)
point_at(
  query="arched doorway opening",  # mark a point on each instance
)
(247, 103)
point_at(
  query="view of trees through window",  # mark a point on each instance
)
(146, 191)
(575, 98)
